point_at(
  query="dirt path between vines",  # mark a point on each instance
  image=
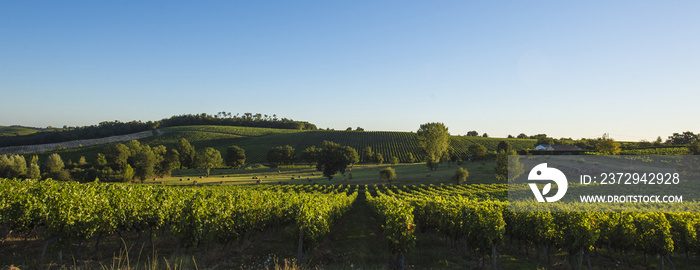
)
(355, 242)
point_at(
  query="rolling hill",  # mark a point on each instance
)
(257, 141)
(16, 131)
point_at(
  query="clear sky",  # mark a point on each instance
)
(564, 68)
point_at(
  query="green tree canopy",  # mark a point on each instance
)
(387, 174)
(335, 158)
(235, 157)
(682, 138)
(477, 151)
(34, 172)
(208, 159)
(504, 146)
(434, 138)
(411, 158)
(187, 153)
(394, 160)
(13, 166)
(54, 164)
(280, 155)
(543, 139)
(608, 147)
(117, 156)
(170, 161)
(367, 155)
(144, 163)
(311, 154)
(378, 158)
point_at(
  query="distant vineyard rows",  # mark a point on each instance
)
(389, 144)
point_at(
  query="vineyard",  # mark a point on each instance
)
(477, 221)
(68, 213)
(473, 220)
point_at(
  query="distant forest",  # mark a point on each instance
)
(113, 128)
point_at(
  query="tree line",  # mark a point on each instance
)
(114, 128)
(122, 163)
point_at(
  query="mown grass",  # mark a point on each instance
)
(416, 173)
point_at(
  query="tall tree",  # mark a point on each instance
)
(144, 163)
(280, 155)
(159, 153)
(658, 141)
(171, 160)
(13, 166)
(378, 158)
(682, 138)
(335, 158)
(472, 133)
(351, 155)
(311, 154)
(501, 168)
(33, 172)
(504, 146)
(100, 160)
(54, 165)
(367, 155)
(235, 157)
(434, 138)
(187, 153)
(208, 159)
(117, 156)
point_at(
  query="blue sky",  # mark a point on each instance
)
(575, 69)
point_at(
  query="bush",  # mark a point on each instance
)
(394, 160)
(460, 176)
(387, 174)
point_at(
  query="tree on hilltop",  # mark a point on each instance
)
(608, 146)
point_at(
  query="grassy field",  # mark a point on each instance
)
(16, 131)
(257, 141)
(479, 173)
